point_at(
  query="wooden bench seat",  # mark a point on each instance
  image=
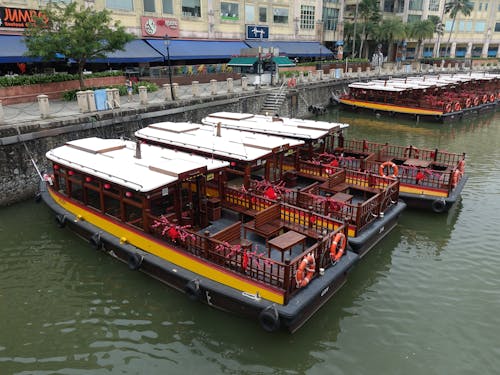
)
(367, 189)
(230, 234)
(267, 223)
(240, 209)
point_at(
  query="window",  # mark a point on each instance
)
(229, 11)
(485, 7)
(497, 27)
(447, 26)
(465, 26)
(480, 26)
(389, 6)
(433, 5)
(149, 5)
(480, 7)
(262, 14)
(280, 15)
(168, 6)
(414, 18)
(191, 8)
(307, 17)
(330, 18)
(415, 5)
(120, 4)
(249, 14)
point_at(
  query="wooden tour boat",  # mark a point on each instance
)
(441, 97)
(368, 203)
(159, 210)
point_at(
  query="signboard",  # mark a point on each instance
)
(19, 18)
(256, 32)
(159, 27)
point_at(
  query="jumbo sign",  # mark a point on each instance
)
(19, 18)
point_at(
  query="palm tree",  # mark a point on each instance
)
(369, 11)
(391, 30)
(421, 30)
(439, 30)
(453, 7)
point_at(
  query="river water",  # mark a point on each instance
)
(425, 300)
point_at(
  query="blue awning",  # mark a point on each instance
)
(198, 49)
(294, 49)
(136, 51)
(13, 50)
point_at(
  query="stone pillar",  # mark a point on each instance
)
(213, 86)
(309, 75)
(468, 51)
(319, 74)
(116, 98)
(83, 103)
(143, 95)
(91, 100)
(331, 73)
(453, 49)
(195, 89)
(1, 112)
(368, 70)
(109, 99)
(244, 83)
(301, 76)
(168, 93)
(230, 86)
(349, 70)
(175, 89)
(43, 104)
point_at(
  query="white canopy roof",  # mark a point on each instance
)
(233, 144)
(275, 125)
(114, 160)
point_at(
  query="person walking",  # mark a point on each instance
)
(130, 89)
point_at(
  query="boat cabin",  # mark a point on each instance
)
(251, 155)
(135, 183)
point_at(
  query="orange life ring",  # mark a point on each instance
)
(458, 107)
(468, 103)
(447, 108)
(476, 101)
(455, 177)
(485, 98)
(337, 247)
(492, 98)
(390, 165)
(414, 152)
(461, 166)
(306, 270)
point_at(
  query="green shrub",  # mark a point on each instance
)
(23, 80)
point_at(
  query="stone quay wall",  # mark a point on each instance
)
(23, 146)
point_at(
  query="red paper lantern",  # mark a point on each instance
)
(128, 194)
(107, 186)
(88, 179)
(71, 173)
(56, 167)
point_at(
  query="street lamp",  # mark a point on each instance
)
(167, 45)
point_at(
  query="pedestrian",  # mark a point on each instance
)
(130, 89)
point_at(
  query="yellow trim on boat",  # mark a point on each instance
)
(421, 191)
(391, 108)
(169, 254)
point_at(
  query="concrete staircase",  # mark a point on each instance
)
(274, 101)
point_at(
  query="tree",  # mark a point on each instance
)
(453, 8)
(421, 30)
(369, 10)
(78, 33)
(391, 30)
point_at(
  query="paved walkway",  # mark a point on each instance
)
(23, 113)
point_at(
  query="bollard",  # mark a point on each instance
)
(367, 70)
(331, 73)
(309, 75)
(167, 91)
(244, 83)
(230, 87)
(109, 99)
(116, 98)
(195, 89)
(175, 90)
(83, 103)
(319, 74)
(91, 100)
(43, 104)
(143, 95)
(301, 77)
(349, 70)
(1, 112)
(213, 86)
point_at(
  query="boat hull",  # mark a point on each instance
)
(376, 230)
(271, 315)
(434, 203)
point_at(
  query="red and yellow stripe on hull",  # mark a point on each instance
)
(422, 190)
(168, 253)
(391, 108)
